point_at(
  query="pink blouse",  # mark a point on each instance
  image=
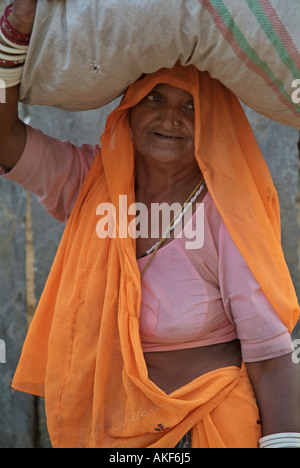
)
(190, 297)
(205, 296)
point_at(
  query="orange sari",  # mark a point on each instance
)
(83, 350)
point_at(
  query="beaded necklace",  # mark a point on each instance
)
(185, 207)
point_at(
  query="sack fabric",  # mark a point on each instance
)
(84, 54)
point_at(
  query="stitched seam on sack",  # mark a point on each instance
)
(233, 35)
(252, 56)
(278, 36)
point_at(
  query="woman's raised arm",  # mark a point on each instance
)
(12, 129)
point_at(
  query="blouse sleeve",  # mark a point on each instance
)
(260, 330)
(52, 169)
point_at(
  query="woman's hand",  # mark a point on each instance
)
(23, 15)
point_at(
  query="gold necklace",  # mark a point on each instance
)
(162, 240)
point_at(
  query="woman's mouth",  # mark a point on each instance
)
(167, 136)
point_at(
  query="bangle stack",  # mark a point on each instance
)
(282, 440)
(13, 52)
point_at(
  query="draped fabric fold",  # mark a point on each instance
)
(83, 350)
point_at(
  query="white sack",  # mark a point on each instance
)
(83, 54)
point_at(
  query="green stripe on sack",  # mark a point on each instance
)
(252, 55)
(273, 37)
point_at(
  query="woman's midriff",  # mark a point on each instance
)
(170, 370)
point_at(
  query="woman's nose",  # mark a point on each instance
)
(169, 115)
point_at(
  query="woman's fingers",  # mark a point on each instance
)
(23, 15)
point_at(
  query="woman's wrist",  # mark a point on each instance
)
(15, 25)
(13, 49)
(19, 25)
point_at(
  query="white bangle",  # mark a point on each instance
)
(11, 50)
(12, 45)
(11, 84)
(281, 440)
(11, 76)
(14, 54)
(12, 57)
(8, 72)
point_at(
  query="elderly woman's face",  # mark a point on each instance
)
(163, 125)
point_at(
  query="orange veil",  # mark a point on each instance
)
(83, 349)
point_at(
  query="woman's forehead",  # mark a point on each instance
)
(165, 88)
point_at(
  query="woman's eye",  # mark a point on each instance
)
(190, 106)
(152, 98)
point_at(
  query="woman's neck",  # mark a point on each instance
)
(158, 183)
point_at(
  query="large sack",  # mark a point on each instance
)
(83, 54)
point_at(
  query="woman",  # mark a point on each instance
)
(131, 361)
